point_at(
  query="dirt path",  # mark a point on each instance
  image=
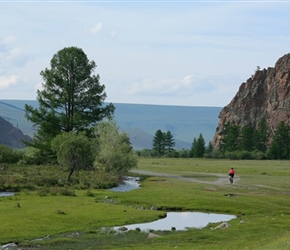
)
(222, 178)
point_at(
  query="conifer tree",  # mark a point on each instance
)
(158, 142)
(71, 99)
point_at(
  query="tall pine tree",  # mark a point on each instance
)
(71, 99)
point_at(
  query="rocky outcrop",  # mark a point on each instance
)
(265, 94)
(11, 136)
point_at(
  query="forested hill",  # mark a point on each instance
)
(139, 121)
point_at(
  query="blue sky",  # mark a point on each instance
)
(190, 53)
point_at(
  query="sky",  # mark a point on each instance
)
(185, 53)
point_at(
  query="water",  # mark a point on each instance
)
(6, 194)
(129, 183)
(181, 221)
(178, 220)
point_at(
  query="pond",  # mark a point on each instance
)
(6, 194)
(128, 184)
(180, 221)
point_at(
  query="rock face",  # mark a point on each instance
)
(11, 136)
(265, 94)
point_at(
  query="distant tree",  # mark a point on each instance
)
(209, 148)
(247, 139)
(169, 142)
(230, 138)
(114, 152)
(183, 153)
(193, 147)
(280, 146)
(261, 139)
(73, 151)
(72, 99)
(158, 142)
(198, 147)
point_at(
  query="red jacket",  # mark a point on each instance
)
(232, 171)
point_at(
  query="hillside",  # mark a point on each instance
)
(11, 136)
(139, 121)
(266, 94)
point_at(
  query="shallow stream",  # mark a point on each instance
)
(176, 220)
(128, 184)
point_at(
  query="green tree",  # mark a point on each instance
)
(230, 138)
(169, 142)
(280, 146)
(73, 151)
(193, 147)
(209, 148)
(72, 99)
(114, 152)
(262, 136)
(158, 142)
(198, 147)
(247, 139)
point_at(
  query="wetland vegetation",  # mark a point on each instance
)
(49, 213)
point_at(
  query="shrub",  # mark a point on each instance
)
(67, 192)
(258, 155)
(9, 155)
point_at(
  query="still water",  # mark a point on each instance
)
(178, 220)
(181, 221)
(6, 194)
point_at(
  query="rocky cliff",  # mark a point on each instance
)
(11, 136)
(265, 94)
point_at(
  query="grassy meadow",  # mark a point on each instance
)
(81, 219)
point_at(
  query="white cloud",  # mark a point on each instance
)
(10, 56)
(9, 39)
(39, 87)
(7, 81)
(14, 53)
(95, 29)
(170, 86)
(187, 81)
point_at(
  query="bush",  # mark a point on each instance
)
(232, 155)
(67, 192)
(9, 155)
(258, 155)
(245, 155)
(215, 154)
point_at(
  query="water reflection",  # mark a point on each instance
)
(181, 221)
(128, 184)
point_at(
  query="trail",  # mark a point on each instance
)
(222, 178)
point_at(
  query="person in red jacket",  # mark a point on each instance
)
(231, 174)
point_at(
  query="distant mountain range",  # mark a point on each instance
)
(139, 121)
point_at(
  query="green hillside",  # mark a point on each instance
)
(139, 121)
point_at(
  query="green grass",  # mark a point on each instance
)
(39, 216)
(260, 200)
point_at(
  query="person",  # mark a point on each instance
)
(231, 174)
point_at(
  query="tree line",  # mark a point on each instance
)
(236, 143)
(247, 142)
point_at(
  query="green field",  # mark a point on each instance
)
(260, 200)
